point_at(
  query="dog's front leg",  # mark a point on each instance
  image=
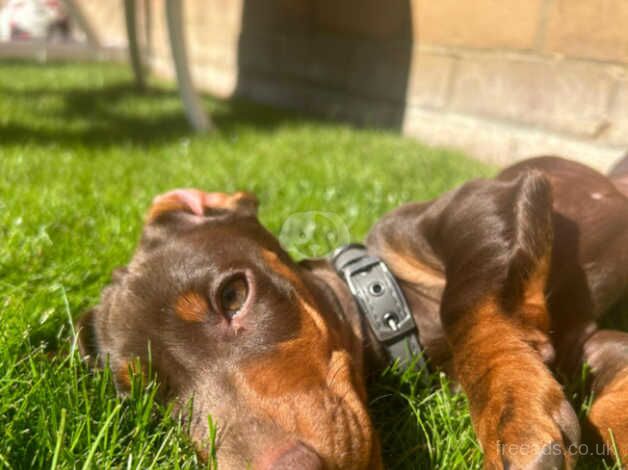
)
(495, 239)
(519, 412)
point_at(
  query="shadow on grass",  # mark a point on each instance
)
(119, 113)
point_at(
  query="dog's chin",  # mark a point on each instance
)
(336, 426)
(329, 417)
(326, 433)
(327, 426)
(292, 455)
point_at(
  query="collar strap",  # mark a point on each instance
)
(381, 303)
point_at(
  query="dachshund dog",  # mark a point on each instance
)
(506, 279)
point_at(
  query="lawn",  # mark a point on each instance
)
(81, 155)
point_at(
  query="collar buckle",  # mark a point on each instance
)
(380, 300)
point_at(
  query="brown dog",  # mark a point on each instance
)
(506, 279)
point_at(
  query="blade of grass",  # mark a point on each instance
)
(60, 433)
(100, 435)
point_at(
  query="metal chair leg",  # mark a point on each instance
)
(148, 30)
(77, 15)
(191, 101)
(130, 16)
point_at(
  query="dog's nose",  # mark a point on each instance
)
(298, 456)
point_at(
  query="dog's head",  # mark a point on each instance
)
(231, 325)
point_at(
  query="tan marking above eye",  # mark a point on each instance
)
(281, 268)
(233, 295)
(191, 307)
(304, 295)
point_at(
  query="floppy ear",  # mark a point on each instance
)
(86, 325)
(532, 237)
(90, 351)
(199, 203)
(86, 337)
(495, 238)
(246, 203)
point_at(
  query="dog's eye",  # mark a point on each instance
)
(233, 295)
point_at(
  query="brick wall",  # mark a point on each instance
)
(107, 20)
(501, 79)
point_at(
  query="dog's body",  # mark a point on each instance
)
(531, 261)
(506, 279)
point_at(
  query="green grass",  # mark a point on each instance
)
(81, 155)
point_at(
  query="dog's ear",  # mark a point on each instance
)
(247, 203)
(495, 238)
(200, 203)
(86, 337)
(532, 236)
(91, 353)
(86, 326)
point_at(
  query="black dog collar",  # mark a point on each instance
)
(381, 302)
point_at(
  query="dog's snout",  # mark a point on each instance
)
(298, 456)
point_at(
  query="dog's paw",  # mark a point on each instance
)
(608, 418)
(525, 430)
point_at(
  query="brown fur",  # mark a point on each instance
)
(606, 353)
(608, 417)
(513, 420)
(410, 268)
